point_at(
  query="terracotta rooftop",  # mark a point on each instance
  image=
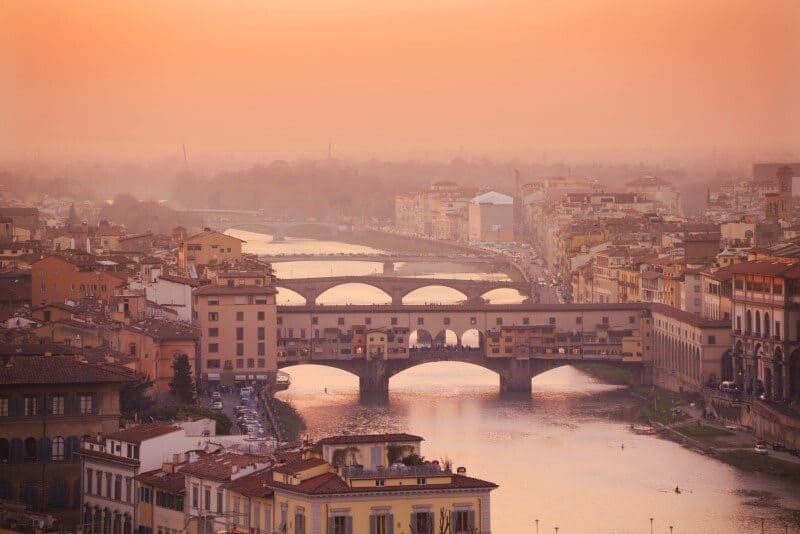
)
(163, 480)
(194, 282)
(243, 290)
(140, 433)
(256, 484)
(28, 370)
(333, 484)
(688, 317)
(164, 329)
(368, 438)
(785, 267)
(221, 466)
(300, 466)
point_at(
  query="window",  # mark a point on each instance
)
(57, 405)
(632, 318)
(5, 451)
(31, 406)
(394, 321)
(86, 403)
(235, 516)
(239, 363)
(145, 494)
(712, 340)
(128, 492)
(423, 523)
(207, 497)
(382, 523)
(420, 320)
(195, 496)
(213, 316)
(213, 301)
(213, 348)
(240, 316)
(213, 364)
(339, 524)
(108, 485)
(261, 332)
(261, 363)
(261, 316)
(99, 482)
(605, 320)
(578, 320)
(421, 480)
(89, 481)
(240, 349)
(57, 449)
(463, 521)
(118, 487)
(498, 321)
(251, 363)
(446, 320)
(3, 406)
(367, 320)
(551, 320)
(340, 321)
(280, 320)
(213, 332)
(262, 350)
(219, 502)
(299, 522)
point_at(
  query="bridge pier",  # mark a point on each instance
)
(515, 376)
(373, 380)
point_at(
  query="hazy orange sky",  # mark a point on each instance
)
(127, 78)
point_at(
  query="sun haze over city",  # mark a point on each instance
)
(138, 78)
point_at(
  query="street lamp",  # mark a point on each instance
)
(670, 529)
(556, 530)
(537, 526)
(651, 525)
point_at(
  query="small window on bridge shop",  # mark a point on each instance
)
(526, 320)
(496, 350)
(315, 320)
(605, 320)
(578, 320)
(340, 321)
(631, 319)
(498, 321)
(552, 320)
(712, 340)
(446, 320)
(394, 321)
(367, 320)
(420, 320)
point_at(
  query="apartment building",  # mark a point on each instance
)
(236, 316)
(49, 400)
(57, 279)
(208, 247)
(766, 327)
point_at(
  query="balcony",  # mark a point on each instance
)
(397, 470)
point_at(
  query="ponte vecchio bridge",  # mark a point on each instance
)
(516, 341)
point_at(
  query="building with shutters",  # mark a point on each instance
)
(48, 402)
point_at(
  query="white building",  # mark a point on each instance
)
(491, 218)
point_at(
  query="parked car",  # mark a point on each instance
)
(778, 447)
(217, 396)
(795, 452)
(217, 405)
(761, 448)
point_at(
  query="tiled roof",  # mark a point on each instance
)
(687, 317)
(194, 282)
(36, 349)
(25, 370)
(220, 466)
(171, 482)
(369, 438)
(164, 329)
(256, 484)
(300, 466)
(243, 290)
(785, 267)
(140, 433)
(100, 455)
(206, 233)
(333, 484)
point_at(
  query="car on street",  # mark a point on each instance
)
(216, 405)
(761, 448)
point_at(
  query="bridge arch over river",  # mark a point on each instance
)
(515, 374)
(396, 287)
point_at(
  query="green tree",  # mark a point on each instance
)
(182, 384)
(135, 399)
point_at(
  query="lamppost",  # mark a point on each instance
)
(556, 530)
(537, 526)
(670, 529)
(651, 525)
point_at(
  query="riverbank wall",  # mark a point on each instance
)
(767, 421)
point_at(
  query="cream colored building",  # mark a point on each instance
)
(209, 247)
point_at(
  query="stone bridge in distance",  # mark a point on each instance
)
(515, 372)
(396, 287)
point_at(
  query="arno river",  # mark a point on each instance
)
(557, 455)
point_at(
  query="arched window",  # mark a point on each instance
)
(748, 322)
(4, 451)
(739, 323)
(766, 324)
(30, 449)
(758, 322)
(57, 449)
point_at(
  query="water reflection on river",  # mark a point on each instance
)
(556, 455)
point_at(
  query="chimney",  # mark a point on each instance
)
(168, 467)
(461, 470)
